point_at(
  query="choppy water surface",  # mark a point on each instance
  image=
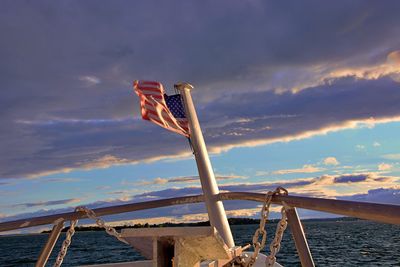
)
(349, 243)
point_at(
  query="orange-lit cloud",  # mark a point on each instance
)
(331, 161)
(385, 167)
(110, 160)
(391, 156)
(350, 124)
(304, 169)
(187, 179)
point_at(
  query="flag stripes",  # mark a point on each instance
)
(154, 107)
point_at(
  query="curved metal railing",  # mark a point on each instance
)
(385, 213)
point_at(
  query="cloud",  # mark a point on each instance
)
(48, 203)
(387, 191)
(351, 178)
(304, 169)
(262, 173)
(360, 147)
(103, 162)
(103, 187)
(187, 179)
(378, 195)
(157, 180)
(391, 156)
(90, 80)
(349, 184)
(328, 186)
(385, 167)
(53, 121)
(125, 195)
(60, 180)
(331, 161)
(393, 60)
(323, 186)
(4, 183)
(376, 144)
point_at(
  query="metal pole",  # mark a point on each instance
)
(215, 208)
(51, 241)
(299, 237)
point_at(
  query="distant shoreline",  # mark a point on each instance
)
(232, 221)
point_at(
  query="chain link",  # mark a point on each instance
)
(101, 223)
(71, 231)
(257, 245)
(276, 243)
(66, 243)
(262, 233)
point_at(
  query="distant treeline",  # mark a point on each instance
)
(232, 221)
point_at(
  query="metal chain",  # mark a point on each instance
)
(276, 243)
(261, 232)
(66, 243)
(109, 230)
(258, 246)
(71, 231)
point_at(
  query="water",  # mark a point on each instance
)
(348, 243)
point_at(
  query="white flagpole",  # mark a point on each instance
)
(215, 207)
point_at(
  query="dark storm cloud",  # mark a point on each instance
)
(67, 67)
(240, 119)
(265, 115)
(195, 41)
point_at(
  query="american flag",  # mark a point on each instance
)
(156, 106)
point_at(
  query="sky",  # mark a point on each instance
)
(303, 95)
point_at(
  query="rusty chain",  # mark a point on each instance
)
(261, 232)
(71, 231)
(66, 243)
(242, 261)
(276, 243)
(101, 223)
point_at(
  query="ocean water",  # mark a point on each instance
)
(345, 243)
